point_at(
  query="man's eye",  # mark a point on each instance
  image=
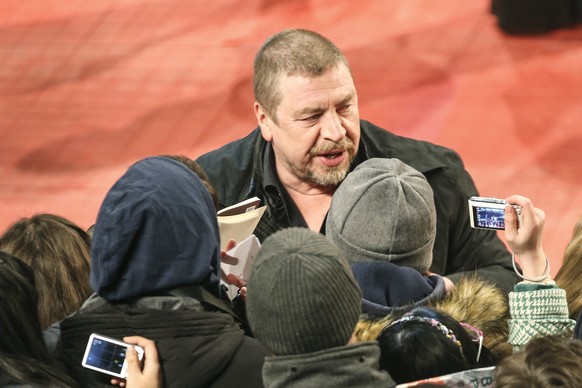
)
(344, 108)
(311, 118)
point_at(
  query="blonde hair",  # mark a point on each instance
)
(568, 277)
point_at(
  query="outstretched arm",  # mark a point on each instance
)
(537, 306)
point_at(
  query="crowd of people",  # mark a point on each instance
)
(369, 274)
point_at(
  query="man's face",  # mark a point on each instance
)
(317, 129)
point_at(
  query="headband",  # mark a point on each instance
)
(434, 323)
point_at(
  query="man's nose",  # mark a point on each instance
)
(332, 128)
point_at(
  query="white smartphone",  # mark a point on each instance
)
(107, 355)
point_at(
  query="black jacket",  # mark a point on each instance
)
(155, 264)
(236, 170)
(197, 348)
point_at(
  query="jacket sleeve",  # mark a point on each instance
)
(537, 309)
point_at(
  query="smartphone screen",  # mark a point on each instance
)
(106, 355)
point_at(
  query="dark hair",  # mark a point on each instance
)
(23, 355)
(546, 361)
(195, 167)
(427, 343)
(59, 253)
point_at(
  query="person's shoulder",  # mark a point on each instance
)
(420, 154)
(372, 131)
(232, 150)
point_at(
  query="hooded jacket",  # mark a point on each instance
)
(156, 230)
(236, 170)
(387, 287)
(155, 268)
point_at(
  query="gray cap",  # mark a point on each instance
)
(384, 211)
(302, 296)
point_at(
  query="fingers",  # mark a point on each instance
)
(525, 236)
(149, 347)
(150, 376)
(133, 367)
(115, 381)
(510, 223)
(531, 217)
(224, 257)
(230, 244)
(236, 281)
(243, 294)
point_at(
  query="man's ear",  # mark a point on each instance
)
(263, 121)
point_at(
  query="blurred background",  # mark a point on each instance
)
(89, 87)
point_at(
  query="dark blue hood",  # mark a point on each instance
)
(156, 230)
(387, 287)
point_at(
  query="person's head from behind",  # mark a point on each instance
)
(19, 323)
(546, 361)
(384, 211)
(58, 251)
(23, 354)
(306, 105)
(156, 230)
(568, 277)
(302, 296)
(427, 343)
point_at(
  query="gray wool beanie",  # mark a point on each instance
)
(301, 295)
(384, 211)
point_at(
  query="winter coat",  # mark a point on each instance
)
(346, 366)
(538, 309)
(472, 301)
(197, 347)
(155, 266)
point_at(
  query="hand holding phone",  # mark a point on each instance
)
(108, 355)
(148, 377)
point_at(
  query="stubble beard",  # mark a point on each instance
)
(330, 176)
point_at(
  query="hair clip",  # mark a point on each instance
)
(434, 323)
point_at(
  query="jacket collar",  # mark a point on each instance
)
(344, 366)
(376, 142)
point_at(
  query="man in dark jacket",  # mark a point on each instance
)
(310, 137)
(155, 268)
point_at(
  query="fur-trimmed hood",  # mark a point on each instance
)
(472, 301)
